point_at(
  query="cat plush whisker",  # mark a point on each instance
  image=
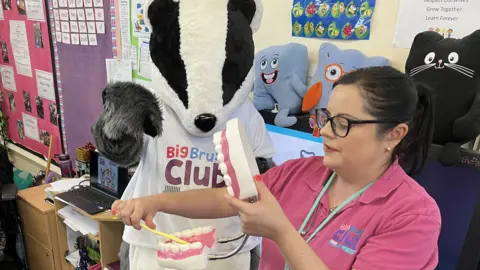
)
(460, 71)
(465, 69)
(420, 70)
(420, 67)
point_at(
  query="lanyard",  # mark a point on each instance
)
(332, 214)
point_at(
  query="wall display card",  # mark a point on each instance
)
(35, 10)
(118, 71)
(124, 11)
(74, 27)
(100, 27)
(82, 27)
(58, 35)
(88, 3)
(144, 58)
(64, 14)
(89, 14)
(83, 39)
(56, 14)
(55, 3)
(451, 19)
(98, 3)
(99, 16)
(21, 53)
(92, 39)
(30, 124)
(66, 38)
(75, 38)
(8, 78)
(73, 14)
(81, 14)
(72, 3)
(62, 3)
(91, 27)
(57, 26)
(138, 14)
(46, 88)
(65, 27)
(79, 3)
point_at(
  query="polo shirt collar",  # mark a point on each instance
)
(388, 182)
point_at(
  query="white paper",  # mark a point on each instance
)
(83, 223)
(79, 3)
(64, 14)
(45, 86)
(8, 78)
(72, 3)
(75, 38)
(89, 14)
(88, 3)
(144, 58)
(58, 35)
(100, 27)
(62, 3)
(98, 3)
(74, 27)
(65, 27)
(73, 14)
(83, 39)
(56, 15)
(124, 13)
(65, 184)
(118, 70)
(55, 3)
(81, 14)
(133, 56)
(91, 27)
(21, 53)
(99, 16)
(92, 39)
(82, 27)
(34, 10)
(66, 38)
(30, 126)
(57, 26)
(454, 19)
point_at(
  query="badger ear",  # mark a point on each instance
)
(252, 9)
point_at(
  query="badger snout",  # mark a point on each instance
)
(205, 122)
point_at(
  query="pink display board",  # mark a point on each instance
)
(28, 80)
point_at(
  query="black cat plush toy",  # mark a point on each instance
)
(451, 67)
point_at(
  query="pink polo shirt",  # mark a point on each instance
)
(394, 225)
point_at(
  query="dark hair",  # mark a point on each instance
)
(391, 95)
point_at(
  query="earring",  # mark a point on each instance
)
(389, 149)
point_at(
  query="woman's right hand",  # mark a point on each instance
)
(133, 211)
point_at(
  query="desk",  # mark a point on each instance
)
(110, 232)
(38, 222)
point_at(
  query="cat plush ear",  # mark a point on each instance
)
(426, 39)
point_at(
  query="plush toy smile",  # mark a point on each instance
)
(270, 78)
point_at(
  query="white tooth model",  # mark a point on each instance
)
(238, 166)
(236, 161)
(187, 256)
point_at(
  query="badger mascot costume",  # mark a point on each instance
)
(202, 73)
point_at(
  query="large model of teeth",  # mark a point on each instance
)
(238, 166)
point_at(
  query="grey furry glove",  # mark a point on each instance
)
(130, 111)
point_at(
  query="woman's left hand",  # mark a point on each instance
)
(264, 218)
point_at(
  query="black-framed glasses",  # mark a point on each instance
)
(341, 125)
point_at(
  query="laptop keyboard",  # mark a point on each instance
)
(95, 197)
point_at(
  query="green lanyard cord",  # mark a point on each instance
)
(332, 214)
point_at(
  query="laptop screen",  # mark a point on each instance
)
(107, 176)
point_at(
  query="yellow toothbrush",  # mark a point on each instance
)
(166, 235)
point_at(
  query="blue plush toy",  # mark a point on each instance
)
(333, 63)
(280, 81)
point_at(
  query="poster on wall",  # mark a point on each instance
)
(452, 19)
(332, 19)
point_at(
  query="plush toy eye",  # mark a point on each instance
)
(429, 58)
(333, 73)
(263, 64)
(274, 63)
(453, 58)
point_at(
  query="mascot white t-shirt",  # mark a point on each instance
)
(178, 161)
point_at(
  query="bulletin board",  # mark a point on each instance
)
(82, 37)
(28, 80)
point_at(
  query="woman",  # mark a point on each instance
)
(355, 208)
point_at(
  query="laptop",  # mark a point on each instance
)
(107, 183)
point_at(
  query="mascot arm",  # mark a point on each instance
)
(261, 98)
(299, 87)
(130, 112)
(467, 127)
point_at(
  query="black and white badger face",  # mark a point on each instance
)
(204, 53)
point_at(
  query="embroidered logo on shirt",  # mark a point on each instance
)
(346, 238)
